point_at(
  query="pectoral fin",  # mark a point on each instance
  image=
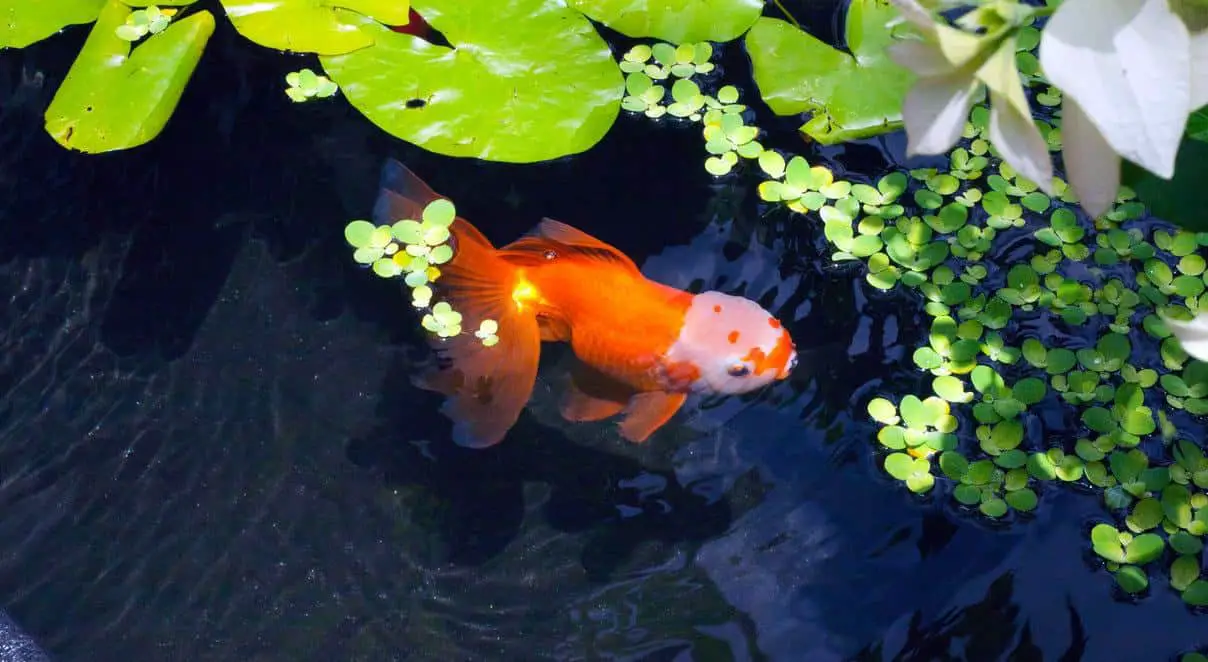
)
(648, 412)
(591, 396)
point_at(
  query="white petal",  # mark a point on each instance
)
(1199, 70)
(1011, 127)
(923, 58)
(1127, 63)
(1020, 143)
(1193, 335)
(1091, 165)
(915, 13)
(935, 112)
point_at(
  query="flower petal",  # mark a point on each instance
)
(921, 57)
(915, 13)
(1092, 166)
(935, 112)
(1127, 64)
(1012, 130)
(1193, 335)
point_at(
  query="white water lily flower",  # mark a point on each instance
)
(1193, 335)
(951, 66)
(1125, 70)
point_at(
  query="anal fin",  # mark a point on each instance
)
(648, 412)
(592, 396)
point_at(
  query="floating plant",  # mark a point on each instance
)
(305, 85)
(415, 249)
(142, 22)
(1105, 283)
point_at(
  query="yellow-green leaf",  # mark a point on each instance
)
(326, 27)
(24, 22)
(113, 98)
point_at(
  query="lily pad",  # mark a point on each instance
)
(114, 98)
(851, 95)
(530, 80)
(313, 26)
(28, 22)
(676, 21)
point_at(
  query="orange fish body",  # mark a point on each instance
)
(641, 346)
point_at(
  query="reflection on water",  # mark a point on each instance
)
(210, 449)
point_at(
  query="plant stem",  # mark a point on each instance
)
(792, 19)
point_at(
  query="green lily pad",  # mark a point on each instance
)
(25, 23)
(313, 26)
(530, 80)
(113, 98)
(676, 21)
(852, 95)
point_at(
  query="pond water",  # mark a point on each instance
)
(210, 450)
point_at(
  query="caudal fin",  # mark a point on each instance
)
(486, 387)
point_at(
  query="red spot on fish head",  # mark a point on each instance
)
(774, 323)
(717, 309)
(733, 337)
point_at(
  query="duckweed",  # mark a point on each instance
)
(414, 249)
(305, 85)
(142, 22)
(1104, 287)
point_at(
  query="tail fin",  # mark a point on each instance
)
(486, 387)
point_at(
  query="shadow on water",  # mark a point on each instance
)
(481, 492)
(210, 449)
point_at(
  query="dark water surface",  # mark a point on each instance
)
(209, 449)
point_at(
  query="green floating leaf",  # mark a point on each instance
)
(26, 22)
(115, 99)
(1196, 594)
(359, 233)
(500, 93)
(1023, 500)
(676, 21)
(883, 411)
(307, 26)
(863, 90)
(1132, 579)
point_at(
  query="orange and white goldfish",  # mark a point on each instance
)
(641, 346)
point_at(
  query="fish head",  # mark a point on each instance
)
(734, 344)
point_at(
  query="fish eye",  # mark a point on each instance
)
(738, 370)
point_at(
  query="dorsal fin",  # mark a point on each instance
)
(401, 194)
(567, 241)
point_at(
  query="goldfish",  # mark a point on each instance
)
(640, 347)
